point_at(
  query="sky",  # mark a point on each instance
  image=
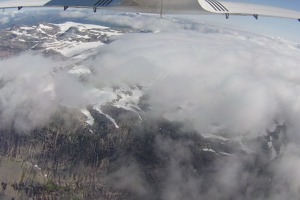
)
(290, 4)
(277, 27)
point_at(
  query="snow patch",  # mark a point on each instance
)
(209, 150)
(90, 119)
(45, 26)
(81, 27)
(129, 101)
(79, 70)
(271, 147)
(70, 49)
(27, 28)
(37, 167)
(224, 153)
(106, 115)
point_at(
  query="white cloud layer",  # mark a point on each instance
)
(241, 83)
(26, 99)
(4, 20)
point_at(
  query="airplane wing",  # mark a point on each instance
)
(162, 7)
(147, 6)
(233, 8)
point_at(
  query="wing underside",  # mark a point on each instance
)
(230, 8)
(162, 6)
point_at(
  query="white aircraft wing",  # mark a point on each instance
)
(233, 8)
(162, 6)
(147, 6)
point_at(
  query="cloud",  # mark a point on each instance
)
(33, 88)
(129, 178)
(72, 14)
(240, 84)
(181, 180)
(25, 92)
(4, 20)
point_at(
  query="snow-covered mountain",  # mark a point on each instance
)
(68, 39)
(73, 42)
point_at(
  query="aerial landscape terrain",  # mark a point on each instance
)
(128, 106)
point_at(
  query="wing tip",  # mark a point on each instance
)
(299, 20)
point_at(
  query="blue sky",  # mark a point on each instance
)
(291, 4)
(277, 27)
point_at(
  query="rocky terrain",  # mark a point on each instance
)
(73, 160)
